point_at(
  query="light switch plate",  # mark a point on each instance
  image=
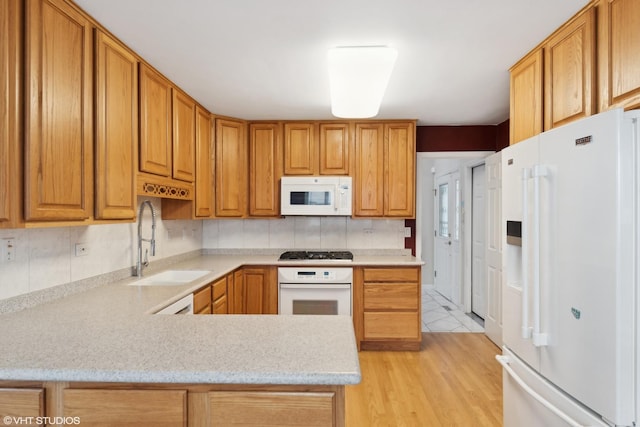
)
(8, 249)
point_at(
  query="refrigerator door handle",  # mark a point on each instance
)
(504, 361)
(526, 330)
(539, 338)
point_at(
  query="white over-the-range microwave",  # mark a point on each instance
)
(315, 195)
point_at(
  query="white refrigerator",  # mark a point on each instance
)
(571, 232)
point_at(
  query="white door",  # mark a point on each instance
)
(493, 249)
(447, 234)
(478, 237)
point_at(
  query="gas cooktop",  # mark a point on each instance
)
(316, 255)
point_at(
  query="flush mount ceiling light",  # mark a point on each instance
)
(358, 77)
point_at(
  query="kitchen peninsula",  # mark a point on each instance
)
(102, 348)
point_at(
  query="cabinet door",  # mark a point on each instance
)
(10, 112)
(369, 174)
(231, 169)
(184, 136)
(300, 149)
(16, 402)
(58, 140)
(98, 408)
(254, 285)
(204, 164)
(155, 123)
(335, 149)
(569, 77)
(619, 53)
(399, 170)
(236, 297)
(116, 145)
(265, 169)
(526, 91)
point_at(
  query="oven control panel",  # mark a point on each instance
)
(314, 275)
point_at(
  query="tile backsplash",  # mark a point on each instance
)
(304, 233)
(45, 257)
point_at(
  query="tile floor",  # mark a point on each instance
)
(441, 315)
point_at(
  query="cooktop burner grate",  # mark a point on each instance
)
(317, 255)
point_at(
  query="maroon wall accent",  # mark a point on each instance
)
(502, 135)
(462, 138)
(456, 138)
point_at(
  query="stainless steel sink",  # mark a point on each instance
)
(171, 278)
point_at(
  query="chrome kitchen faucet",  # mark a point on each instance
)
(141, 264)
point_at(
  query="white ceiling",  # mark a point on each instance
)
(258, 59)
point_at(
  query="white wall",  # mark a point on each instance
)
(45, 257)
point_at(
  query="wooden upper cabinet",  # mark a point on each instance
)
(335, 148)
(399, 170)
(265, 169)
(526, 95)
(59, 99)
(184, 136)
(569, 76)
(10, 112)
(300, 149)
(231, 168)
(116, 74)
(155, 123)
(369, 174)
(619, 53)
(204, 206)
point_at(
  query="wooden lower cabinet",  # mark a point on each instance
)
(21, 402)
(271, 408)
(387, 308)
(175, 405)
(219, 295)
(105, 408)
(202, 301)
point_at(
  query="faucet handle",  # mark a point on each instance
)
(146, 258)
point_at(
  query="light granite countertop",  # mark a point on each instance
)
(107, 334)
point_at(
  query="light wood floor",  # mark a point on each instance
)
(453, 380)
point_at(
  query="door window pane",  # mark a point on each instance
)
(456, 226)
(443, 192)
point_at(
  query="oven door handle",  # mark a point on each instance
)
(314, 286)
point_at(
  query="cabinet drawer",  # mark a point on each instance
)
(126, 407)
(204, 310)
(219, 288)
(220, 305)
(394, 325)
(272, 408)
(390, 296)
(21, 402)
(201, 299)
(391, 274)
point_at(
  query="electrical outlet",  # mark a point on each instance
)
(82, 249)
(8, 249)
(407, 232)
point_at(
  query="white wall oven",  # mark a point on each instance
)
(315, 290)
